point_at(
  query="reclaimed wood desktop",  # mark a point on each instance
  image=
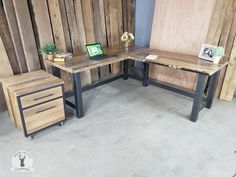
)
(202, 96)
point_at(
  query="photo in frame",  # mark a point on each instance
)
(206, 52)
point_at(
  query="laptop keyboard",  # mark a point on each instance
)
(101, 57)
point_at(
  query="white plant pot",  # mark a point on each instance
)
(216, 60)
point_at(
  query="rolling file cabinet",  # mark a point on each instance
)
(35, 100)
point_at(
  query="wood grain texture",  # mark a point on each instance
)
(43, 26)
(15, 34)
(60, 30)
(22, 84)
(7, 41)
(175, 31)
(78, 38)
(100, 31)
(42, 96)
(5, 71)
(229, 84)
(26, 34)
(129, 15)
(173, 60)
(114, 24)
(226, 35)
(89, 30)
(37, 118)
(217, 22)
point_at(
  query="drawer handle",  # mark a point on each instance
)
(36, 99)
(46, 109)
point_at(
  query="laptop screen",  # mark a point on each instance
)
(94, 49)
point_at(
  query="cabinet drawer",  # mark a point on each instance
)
(44, 115)
(41, 96)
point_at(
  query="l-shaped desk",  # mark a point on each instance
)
(202, 96)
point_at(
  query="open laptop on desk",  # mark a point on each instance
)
(95, 52)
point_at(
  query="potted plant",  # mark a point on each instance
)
(217, 53)
(50, 50)
(127, 38)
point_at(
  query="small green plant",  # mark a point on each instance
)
(218, 52)
(48, 49)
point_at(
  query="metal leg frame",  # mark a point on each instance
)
(56, 71)
(198, 97)
(212, 89)
(126, 69)
(145, 74)
(78, 95)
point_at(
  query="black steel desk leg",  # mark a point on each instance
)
(212, 89)
(145, 74)
(198, 97)
(126, 69)
(56, 71)
(78, 95)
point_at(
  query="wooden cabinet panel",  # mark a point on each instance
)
(40, 97)
(44, 115)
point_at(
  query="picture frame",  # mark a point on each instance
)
(206, 52)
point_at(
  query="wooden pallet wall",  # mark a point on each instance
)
(26, 25)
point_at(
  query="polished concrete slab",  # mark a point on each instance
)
(129, 131)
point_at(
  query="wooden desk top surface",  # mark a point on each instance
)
(169, 59)
(31, 82)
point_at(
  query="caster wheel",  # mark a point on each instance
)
(30, 137)
(61, 124)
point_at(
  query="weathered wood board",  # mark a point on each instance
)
(7, 41)
(229, 84)
(27, 34)
(5, 71)
(15, 34)
(175, 28)
(100, 31)
(114, 24)
(89, 30)
(43, 26)
(59, 33)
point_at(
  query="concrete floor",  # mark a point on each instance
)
(130, 131)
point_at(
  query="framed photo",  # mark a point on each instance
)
(206, 52)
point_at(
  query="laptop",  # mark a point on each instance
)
(95, 52)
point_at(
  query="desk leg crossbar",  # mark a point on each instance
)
(200, 100)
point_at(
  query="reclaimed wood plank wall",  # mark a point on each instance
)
(223, 33)
(26, 25)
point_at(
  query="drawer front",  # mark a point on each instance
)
(39, 97)
(44, 115)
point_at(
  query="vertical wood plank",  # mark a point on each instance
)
(89, 30)
(15, 34)
(129, 15)
(229, 84)
(114, 24)
(65, 24)
(5, 71)
(217, 22)
(26, 34)
(86, 75)
(60, 33)
(74, 33)
(43, 26)
(7, 41)
(100, 31)
(226, 38)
